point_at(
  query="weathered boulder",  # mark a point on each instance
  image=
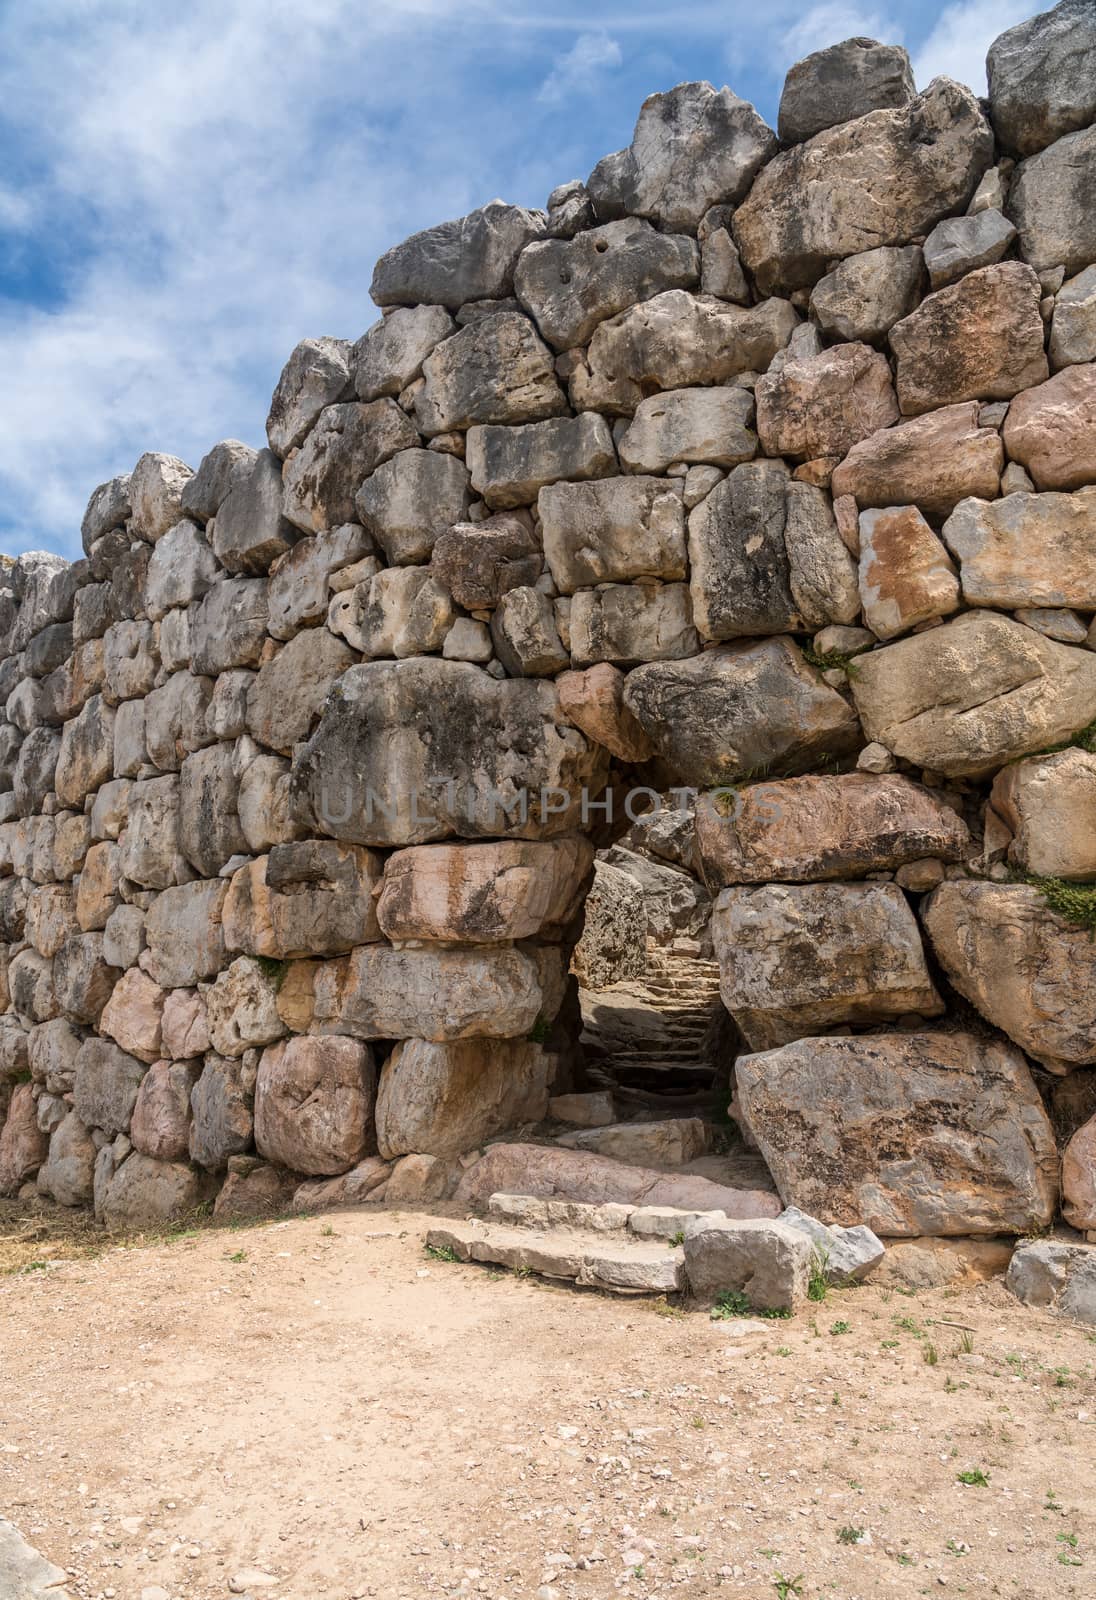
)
(493, 993)
(674, 341)
(906, 575)
(866, 294)
(1042, 77)
(1042, 815)
(931, 462)
(443, 1099)
(86, 755)
(170, 723)
(316, 375)
(1079, 1178)
(806, 830)
(568, 286)
(150, 854)
(839, 83)
(411, 751)
(824, 404)
(580, 1175)
(389, 356)
(1028, 970)
(1050, 1272)
(105, 1086)
(980, 338)
(348, 442)
(314, 1104)
(767, 1261)
(738, 709)
(675, 903)
(961, 244)
(301, 581)
(594, 702)
(132, 1015)
(209, 829)
(509, 466)
(242, 1009)
(693, 147)
(35, 769)
(879, 180)
(695, 425)
(915, 1133)
(23, 1144)
(160, 1125)
(410, 500)
(482, 893)
(228, 626)
(1026, 550)
(288, 693)
(185, 937)
(1050, 201)
(250, 532)
(479, 562)
(254, 1189)
(401, 611)
(613, 946)
(495, 370)
(108, 507)
(966, 698)
(155, 486)
(221, 1122)
(1073, 326)
(81, 982)
(184, 1026)
(612, 530)
(1051, 429)
(795, 960)
(147, 1194)
(312, 898)
(66, 1174)
(844, 1255)
(471, 258)
(182, 568)
(631, 623)
(217, 471)
(670, 1143)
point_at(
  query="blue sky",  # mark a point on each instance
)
(187, 190)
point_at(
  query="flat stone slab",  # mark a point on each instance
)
(24, 1574)
(619, 1265)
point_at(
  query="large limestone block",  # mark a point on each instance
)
(496, 369)
(217, 472)
(380, 993)
(35, 770)
(184, 1025)
(314, 1104)
(630, 623)
(594, 701)
(105, 1088)
(547, 1172)
(1051, 429)
(302, 579)
(980, 338)
(906, 575)
(288, 693)
(1042, 813)
(710, 426)
(99, 885)
(389, 356)
(805, 830)
(694, 147)
(209, 829)
(612, 530)
(766, 557)
(917, 1133)
(483, 893)
(148, 1194)
(674, 902)
(228, 626)
(613, 946)
(1042, 77)
(510, 466)
(130, 660)
(411, 751)
(66, 1174)
(23, 1145)
(1027, 550)
(51, 917)
(739, 709)
(132, 1016)
(108, 508)
(479, 562)
(401, 611)
(181, 569)
(795, 960)
(839, 83)
(1029, 971)
(241, 1008)
(1050, 201)
(82, 980)
(316, 375)
(674, 341)
(824, 404)
(250, 531)
(86, 756)
(525, 636)
(931, 462)
(960, 244)
(155, 487)
(184, 933)
(1078, 1178)
(1073, 326)
(568, 286)
(769, 1262)
(160, 1126)
(471, 258)
(149, 844)
(410, 500)
(966, 698)
(268, 810)
(1051, 1272)
(879, 180)
(221, 1105)
(312, 898)
(348, 442)
(443, 1099)
(866, 294)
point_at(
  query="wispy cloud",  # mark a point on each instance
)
(578, 70)
(963, 33)
(835, 20)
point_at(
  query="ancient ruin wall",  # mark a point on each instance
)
(761, 465)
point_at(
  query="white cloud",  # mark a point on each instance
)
(835, 20)
(963, 33)
(577, 71)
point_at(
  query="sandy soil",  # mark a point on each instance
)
(318, 1400)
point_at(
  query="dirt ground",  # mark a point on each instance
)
(320, 1401)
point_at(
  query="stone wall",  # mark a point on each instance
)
(761, 465)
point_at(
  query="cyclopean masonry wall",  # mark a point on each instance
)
(761, 465)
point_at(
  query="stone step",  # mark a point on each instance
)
(670, 1143)
(622, 1264)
